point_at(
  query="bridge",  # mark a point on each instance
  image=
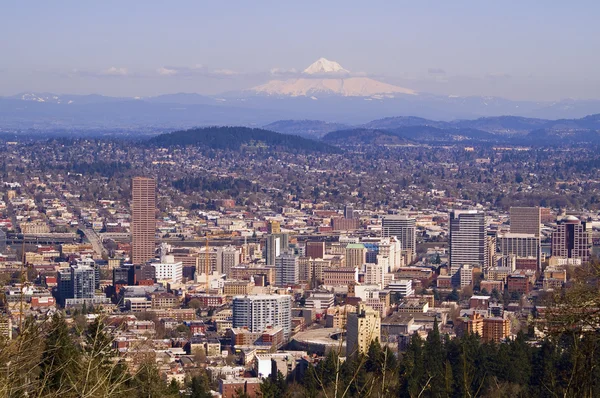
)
(42, 239)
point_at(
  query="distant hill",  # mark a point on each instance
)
(234, 138)
(363, 136)
(548, 136)
(305, 128)
(507, 125)
(498, 124)
(391, 123)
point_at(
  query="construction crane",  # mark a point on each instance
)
(207, 253)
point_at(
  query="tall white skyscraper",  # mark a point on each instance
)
(275, 245)
(402, 227)
(468, 243)
(257, 312)
(287, 270)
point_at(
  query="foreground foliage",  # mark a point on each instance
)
(54, 359)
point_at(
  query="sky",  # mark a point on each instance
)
(529, 50)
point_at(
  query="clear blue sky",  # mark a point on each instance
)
(516, 49)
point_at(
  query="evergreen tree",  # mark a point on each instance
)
(60, 358)
(453, 296)
(147, 383)
(412, 372)
(543, 381)
(273, 386)
(200, 387)
(434, 359)
(375, 359)
(173, 389)
(310, 382)
(326, 369)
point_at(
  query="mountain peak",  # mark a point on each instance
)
(323, 65)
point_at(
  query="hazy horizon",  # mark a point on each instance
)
(509, 49)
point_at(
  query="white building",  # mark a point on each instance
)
(320, 301)
(402, 286)
(258, 312)
(375, 274)
(287, 269)
(168, 272)
(466, 275)
(468, 239)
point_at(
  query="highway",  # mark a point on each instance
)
(95, 240)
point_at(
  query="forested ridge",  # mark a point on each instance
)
(233, 138)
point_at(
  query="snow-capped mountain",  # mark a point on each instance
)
(326, 77)
(323, 65)
(348, 87)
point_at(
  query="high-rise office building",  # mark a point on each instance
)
(227, 258)
(375, 274)
(287, 269)
(142, 274)
(64, 285)
(572, 239)
(92, 264)
(143, 219)
(356, 255)
(83, 279)
(315, 249)
(273, 227)
(311, 270)
(275, 245)
(76, 285)
(120, 278)
(348, 211)
(520, 245)
(2, 241)
(362, 328)
(403, 228)
(258, 312)
(468, 239)
(207, 261)
(526, 220)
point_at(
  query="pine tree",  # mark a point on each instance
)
(200, 387)
(412, 370)
(147, 383)
(173, 389)
(374, 360)
(310, 382)
(433, 359)
(273, 386)
(60, 358)
(543, 382)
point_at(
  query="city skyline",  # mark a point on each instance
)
(317, 199)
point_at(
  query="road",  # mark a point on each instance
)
(95, 240)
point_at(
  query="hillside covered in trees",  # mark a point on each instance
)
(234, 138)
